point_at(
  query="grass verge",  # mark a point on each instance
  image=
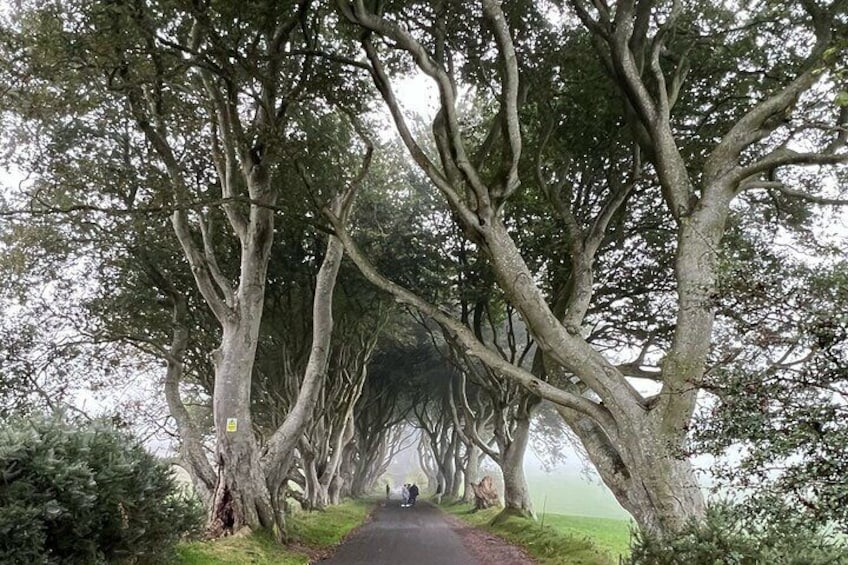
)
(607, 533)
(311, 533)
(562, 540)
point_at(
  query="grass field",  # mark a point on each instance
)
(572, 505)
(560, 540)
(311, 533)
(571, 494)
(607, 533)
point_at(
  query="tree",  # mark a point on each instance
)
(230, 79)
(636, 442)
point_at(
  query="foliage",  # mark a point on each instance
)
(85, 493)
(549, 545)
(313, 532)
(730, 536)
(779, 415)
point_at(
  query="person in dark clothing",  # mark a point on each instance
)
(413, 494)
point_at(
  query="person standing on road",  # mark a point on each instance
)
(413, 494)
(404, 495)
(388, 490)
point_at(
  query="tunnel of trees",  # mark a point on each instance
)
(616, 214)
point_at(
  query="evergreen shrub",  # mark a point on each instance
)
(86, 494)
(729, 536)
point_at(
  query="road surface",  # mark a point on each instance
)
(420, 535)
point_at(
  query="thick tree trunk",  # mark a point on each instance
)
(334, 491)
(241, 496)
(516, 493)
(658, 487)
(472, 472)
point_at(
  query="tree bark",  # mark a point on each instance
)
(658, 487)
(241, 497)
(472, 471)
(516, 493)
(192, 453)
(484, 494)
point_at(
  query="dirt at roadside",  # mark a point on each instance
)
(488, 548)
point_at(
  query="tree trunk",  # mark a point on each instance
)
(427, 463)
(516, 493)
(192, 453)
(337, 443)
(347, 471)
(241, 497)
(656, 486)
(458, 474)
(279, 451)
(484, 494)
(314, 494)
(472, 472)
(334, 492)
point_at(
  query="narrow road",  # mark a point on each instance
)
(420, 535)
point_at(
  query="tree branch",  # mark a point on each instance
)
(466, 336)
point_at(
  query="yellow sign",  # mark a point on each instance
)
(232, 424)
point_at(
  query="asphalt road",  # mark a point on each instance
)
(403, 536)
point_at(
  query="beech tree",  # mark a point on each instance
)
(233, 80)
(700, 154)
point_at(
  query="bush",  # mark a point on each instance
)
(728, 536)
(85, 494)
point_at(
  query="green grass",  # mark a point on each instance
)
(607, 533)
(573, 495)
(256, 549)
(310, 532)
(328, 528)
(564, 540)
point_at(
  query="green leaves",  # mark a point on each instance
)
(728, 535)
(85, 493)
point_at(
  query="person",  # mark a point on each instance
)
(413, 494)
(388, 490)
(404, 495)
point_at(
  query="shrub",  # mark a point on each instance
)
(729, 536)
(85, 494)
